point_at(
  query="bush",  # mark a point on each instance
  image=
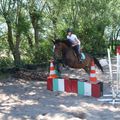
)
(6, 62)
(44, 53)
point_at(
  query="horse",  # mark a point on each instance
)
(64, 52)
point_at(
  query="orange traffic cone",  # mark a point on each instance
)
(93, 73)
(52, 71)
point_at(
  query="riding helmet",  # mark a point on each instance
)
(69, 30)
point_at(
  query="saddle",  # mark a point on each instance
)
(83, 57)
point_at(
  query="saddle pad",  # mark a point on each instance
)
(83, 56)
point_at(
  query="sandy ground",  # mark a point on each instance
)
(30, 100)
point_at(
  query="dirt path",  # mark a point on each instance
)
(29, 100)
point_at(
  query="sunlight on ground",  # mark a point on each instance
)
(29, 100)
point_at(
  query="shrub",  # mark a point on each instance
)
(44, 53)
(6, 62)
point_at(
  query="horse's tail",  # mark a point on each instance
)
(98, 64)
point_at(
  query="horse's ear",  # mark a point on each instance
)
(53, 41)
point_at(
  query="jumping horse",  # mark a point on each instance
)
(64, 52)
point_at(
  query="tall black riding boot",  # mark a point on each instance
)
(80, 57)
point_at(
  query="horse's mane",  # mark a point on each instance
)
(67, 42)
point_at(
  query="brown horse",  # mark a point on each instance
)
(64, 51)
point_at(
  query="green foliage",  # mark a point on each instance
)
(34, 22)
(44, 53)
(5, 62)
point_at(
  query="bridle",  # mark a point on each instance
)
(57, 52)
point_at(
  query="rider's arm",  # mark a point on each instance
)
(76, 41)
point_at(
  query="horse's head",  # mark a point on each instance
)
(58, 47)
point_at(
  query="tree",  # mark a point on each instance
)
(36, 8)
(11, 11)
(30, 23)
(55, 13)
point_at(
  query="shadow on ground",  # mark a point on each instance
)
(29, 100)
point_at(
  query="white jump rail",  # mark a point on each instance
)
(114, 97)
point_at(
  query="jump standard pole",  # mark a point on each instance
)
(114, 97)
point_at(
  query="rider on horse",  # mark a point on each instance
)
(75, 42)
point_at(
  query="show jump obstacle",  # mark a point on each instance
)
(114, 96)
(82, 87)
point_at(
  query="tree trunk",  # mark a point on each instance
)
(116, 39)
(55, 27)
(10, 39)
(17, 51)
(34, 22)
(36, 33)
(17, 59)
(30, 41)
(14, 48)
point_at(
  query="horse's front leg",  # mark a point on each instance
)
(87, 69)
(59, 65)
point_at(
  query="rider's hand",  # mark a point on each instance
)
(75, 43)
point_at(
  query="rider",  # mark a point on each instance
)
(75, 42)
